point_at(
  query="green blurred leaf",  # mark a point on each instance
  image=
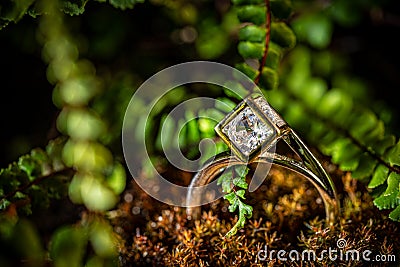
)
(252, 13)
(269, 79)
(167, 135)
(103, 240)
(346, 13)
(68, 246)
(77, 91)
(365, 123)
(124, 4)
(335, 105)
(300, 72)
(376, 133)
(274, 56)
(28, 243)
(212, 41)
(84, 155)
(251, 50)
(346, 154)
(281, 9)
(393, 155)
(252, 33)
(80, 124)
(314, 28)
(365, 167)
(74, 189)
(95, 194)
(246, 69)
(381, 145)
(313, 90)
(117, 180)
(224, 103)
(283, 35)
(247, 2)
(95, 261)
(192, 129)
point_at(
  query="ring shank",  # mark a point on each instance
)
(308, 166)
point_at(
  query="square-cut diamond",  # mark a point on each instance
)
(247, 131)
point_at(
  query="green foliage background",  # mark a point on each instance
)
(70, 69)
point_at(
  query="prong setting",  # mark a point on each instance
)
(251, 127)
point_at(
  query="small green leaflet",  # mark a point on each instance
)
(233, 183)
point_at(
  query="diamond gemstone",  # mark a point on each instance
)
(247, 132)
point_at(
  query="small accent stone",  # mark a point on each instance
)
(269, 112)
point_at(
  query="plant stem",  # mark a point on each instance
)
(267, 39)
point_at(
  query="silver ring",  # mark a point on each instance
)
(250, 131)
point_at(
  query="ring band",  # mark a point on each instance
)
(250, 131)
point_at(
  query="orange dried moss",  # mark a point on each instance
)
(288, 214)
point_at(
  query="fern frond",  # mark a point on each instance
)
(234, 185)
(342, 127)
(19, 181)
(263, 39)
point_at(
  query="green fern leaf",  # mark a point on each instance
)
(251, 49)
(252, 33)
(269, 79)
(393, 182)
(274, 56)
(387, 201)
(252, 13)
(346, 154)
(73, 7)
(381, 145)
(247, 2)
(395, 214)
(365, 123)
(125, 4)
(240, 193)
(246, 69)
(351, 133)
(20, 180)
(390, 198)
(14, 10)
(240, 182)
(281, 9)
(393, 155)
(365, 167)
(283, 35)
(379, 177)
(225, 181)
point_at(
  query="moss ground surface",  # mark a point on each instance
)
(288, 215)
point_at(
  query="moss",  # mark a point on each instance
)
(288, 214)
